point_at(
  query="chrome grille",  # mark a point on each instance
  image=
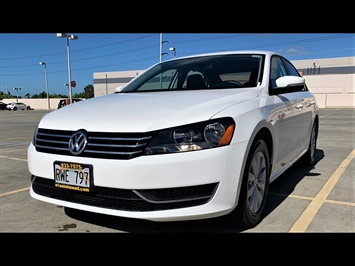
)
(106, 145)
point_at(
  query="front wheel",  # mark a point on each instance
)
(255, 186)
(309, 157)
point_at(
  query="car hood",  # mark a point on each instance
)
(141, 112)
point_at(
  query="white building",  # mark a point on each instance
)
(106, 82)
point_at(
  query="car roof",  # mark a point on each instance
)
(266, 52)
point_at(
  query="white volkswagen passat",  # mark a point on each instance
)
(190, 138)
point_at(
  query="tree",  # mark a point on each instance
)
(6, 95)
(41, 95)
(88, 92)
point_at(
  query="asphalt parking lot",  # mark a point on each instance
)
(314, 199)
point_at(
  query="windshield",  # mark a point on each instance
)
(204, 72)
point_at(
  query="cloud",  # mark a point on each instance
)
(293, 50)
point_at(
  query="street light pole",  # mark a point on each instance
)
(69, 72)
(106, 85)
(46, 79)
(161, 46)
(69, 37)
(17, 89)
(173, 49)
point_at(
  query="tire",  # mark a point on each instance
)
(15, 108)
(309, 157)
(255, 187)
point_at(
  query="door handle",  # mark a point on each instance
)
(299, 106)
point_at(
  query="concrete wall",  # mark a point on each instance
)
(37, 103)
(332, 80)
(333, 90)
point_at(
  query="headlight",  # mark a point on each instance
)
(199, 136)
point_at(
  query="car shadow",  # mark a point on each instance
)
(129, 225)
(283, 186)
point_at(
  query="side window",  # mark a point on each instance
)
(277, 70)
(161, 81)
(292, 71)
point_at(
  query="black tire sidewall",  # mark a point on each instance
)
(243, 214)
(309, 157)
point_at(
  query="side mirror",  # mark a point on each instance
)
(119, 89)
(287, 84)
(286, 81)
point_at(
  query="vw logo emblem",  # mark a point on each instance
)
(77, 142)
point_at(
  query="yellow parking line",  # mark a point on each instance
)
(307, 216)
(346, 203)
(13, 158)
(6, 150)
(14, 191)
(341, 202)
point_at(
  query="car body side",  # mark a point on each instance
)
(17, 106)
(3, 106)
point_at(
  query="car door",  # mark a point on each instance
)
(287, 120)
(305, 105)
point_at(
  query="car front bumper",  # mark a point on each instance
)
(182, 172)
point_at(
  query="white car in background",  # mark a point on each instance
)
(17, 106)
(190, 138)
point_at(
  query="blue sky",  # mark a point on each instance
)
(21, 53)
